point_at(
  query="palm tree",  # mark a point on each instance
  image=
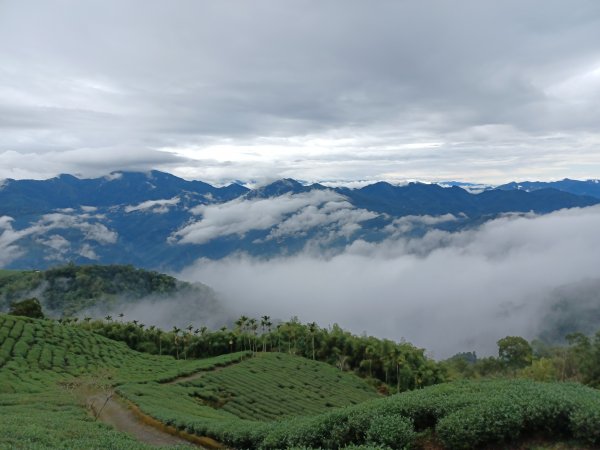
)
(253, 326)
(269, 324)
(121, 315)
(264, 321)
(176, 340)
(241, 325)
(279, 337)
(312, 328)
(159, 334)
(400, 361)
(186, 342)
(369, 353)
(108, 318)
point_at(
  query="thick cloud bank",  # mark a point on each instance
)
(446, 292)
(341, 90)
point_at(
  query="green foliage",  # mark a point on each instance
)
(515, 352)
(55, 420)
(269, 401)
(40, 360)
(29, 307)
(400, 366)
(70, 289)
(274, 385)
(392, 431)
(462, 414)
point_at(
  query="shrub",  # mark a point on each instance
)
(393, 431)
(471, 427)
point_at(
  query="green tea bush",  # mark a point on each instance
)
(395, 432)
(585, 421)
(477, 425)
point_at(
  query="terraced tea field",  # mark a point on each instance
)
(36, 353)
(41, 361)
(269, 401)
(275, 385)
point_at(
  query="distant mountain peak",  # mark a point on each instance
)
(278, 187)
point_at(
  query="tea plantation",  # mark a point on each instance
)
(274, 385)
(39, 363)
(268, 401)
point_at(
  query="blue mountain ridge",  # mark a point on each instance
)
(578, 187)
(134, 217)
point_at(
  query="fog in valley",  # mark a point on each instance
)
(446, 292)
(199, 306)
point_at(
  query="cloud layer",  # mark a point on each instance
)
(289, 214)
(56, 246)
(342, 90)
(447, 292)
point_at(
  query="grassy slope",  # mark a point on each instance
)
(235, 402)
(275, 385)
(39, 360)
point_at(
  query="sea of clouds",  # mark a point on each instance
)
(445, 291)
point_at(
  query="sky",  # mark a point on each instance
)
(342, 90)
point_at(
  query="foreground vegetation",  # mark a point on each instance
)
(44, 367)
(460, 415)
(269, 401)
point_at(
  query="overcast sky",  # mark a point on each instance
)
(316, 90)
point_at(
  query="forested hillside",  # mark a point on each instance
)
(69, 290)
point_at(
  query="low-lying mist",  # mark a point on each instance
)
(446, 292)
(199, 307)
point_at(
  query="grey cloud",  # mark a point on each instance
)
(9, 236)
(92, 231)
(137, 77)
(154, 206)
(446, 292)
(338, 216)
(405, 224)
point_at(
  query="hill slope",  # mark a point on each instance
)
(42, 364)
(99, 290)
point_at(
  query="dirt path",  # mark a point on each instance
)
(191, 377)
(201, 373)
(129, 419)
(198, 375)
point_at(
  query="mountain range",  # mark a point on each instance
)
(159, 221)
